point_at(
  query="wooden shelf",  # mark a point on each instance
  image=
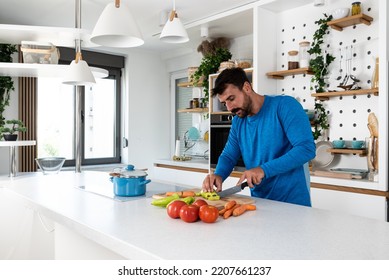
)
(361, 152)
(341, 23)
(221, 113)
(194, 110)
(327, 95)
(281, 74)
(189, 84)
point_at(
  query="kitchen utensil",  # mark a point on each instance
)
(344, 82)
(233, 190)
(129, 182)
(340, 65)
(323, 158)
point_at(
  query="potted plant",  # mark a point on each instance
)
(6, 83)
(10, 133)
(320, 61)
(214, 53)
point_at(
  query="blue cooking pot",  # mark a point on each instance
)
(129, 182)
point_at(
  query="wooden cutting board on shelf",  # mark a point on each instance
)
(240, 199)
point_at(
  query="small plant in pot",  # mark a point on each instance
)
(10, 133)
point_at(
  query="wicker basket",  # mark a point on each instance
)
(38, 52)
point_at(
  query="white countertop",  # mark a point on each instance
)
(137, 230)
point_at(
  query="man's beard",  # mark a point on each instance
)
(243, 112)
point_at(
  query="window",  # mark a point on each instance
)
(100, 118)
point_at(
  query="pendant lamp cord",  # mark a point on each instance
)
(173, 13)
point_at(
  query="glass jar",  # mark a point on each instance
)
(356, 8)
(196, 103)
(304, 55)
(293, 62)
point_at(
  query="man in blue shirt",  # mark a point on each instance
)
(273, 136)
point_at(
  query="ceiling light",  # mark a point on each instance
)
(79, 73)
(174, 31)
(116, 27)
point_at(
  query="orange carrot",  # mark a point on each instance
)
(171, 193)
(221, 212)
(230, 204)
(239, 210)
(229, 212)
(251, 207)
(188, 193)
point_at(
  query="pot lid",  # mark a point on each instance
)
(130, 172)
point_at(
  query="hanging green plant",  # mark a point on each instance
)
(209, 65)
(320, 123)
(6, 82)
(320, 61)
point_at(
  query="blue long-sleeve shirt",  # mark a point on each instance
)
(279, 140)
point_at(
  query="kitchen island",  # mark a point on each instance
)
(80, 205)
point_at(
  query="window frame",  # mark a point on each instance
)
(113, 64)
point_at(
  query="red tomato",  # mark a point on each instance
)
(189, 213)
(208, 213)
(200, 202)
(173, 208)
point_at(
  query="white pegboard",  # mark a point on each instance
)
(348, 114)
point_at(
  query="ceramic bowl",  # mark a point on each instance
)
(338, 144)
(340, 13)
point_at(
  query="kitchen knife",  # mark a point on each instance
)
(232, 190)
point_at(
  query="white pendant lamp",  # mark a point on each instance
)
(174, 31)
(116, 27)
(79, 73)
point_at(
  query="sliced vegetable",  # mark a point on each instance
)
(188, 200)
(210, 195)
(182, 194)
(163, 202)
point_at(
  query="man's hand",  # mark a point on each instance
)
(253, 176)
(210, 181)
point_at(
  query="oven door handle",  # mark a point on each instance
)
(220, 126)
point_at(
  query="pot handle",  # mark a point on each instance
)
(145, 182)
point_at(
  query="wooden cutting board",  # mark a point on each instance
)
(240, 199)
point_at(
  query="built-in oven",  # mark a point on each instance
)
(220, 128)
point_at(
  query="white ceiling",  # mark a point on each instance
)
(61, 13)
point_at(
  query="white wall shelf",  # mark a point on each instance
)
(58, 36)
(42, 70)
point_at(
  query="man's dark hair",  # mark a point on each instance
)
(233, 76)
